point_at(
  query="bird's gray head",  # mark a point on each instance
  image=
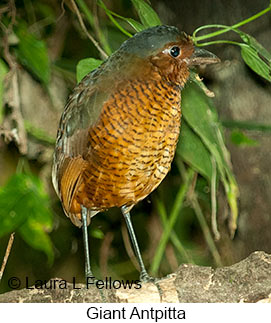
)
(151, 40)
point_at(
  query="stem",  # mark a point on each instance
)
(205, 230)
(174, 238)
(90, 18)
(86, 11)
(227, 28)
(110, 15)
(171, 221)
(213, 200)
(233, 124)
(219, 42)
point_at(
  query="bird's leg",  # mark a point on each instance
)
(143, 273)
(144, 276)
(88, 271)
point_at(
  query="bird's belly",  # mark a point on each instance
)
(126, 183)
(126, 163)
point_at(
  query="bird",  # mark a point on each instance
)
(119, 129)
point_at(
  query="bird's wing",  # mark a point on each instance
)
(80, 113)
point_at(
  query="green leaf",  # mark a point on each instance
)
(97, 233)
(110, 15)
(25, 207)
(147, 15)
(33, 53)
(133, 23)
(89, 15)
(46, 11)
(194, 152)
(3, 72)
(252, 42)
(252, 59)
(201, 116)
(32, 231)
(13, 198)
(240, 139)
(85, 66)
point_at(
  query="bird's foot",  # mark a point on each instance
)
(145, 278)
(92, 280)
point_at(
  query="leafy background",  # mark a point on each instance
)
(41, 45)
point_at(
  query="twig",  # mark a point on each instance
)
(98, 30)
(7, 31)
(196, 78)
(9, 135)
(62, 12)
(10, 243)
(213, 200)
(95, 43)
(3, 10)
(14, 99)
(207, 92)
(16, 114)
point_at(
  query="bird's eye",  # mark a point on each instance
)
(175, 51)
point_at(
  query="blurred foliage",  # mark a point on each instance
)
(33, 53)
(240, 139)
(186, 149)
(25, 208)
(85, 66)
(3, 72)
(147, 15)
(30, 36)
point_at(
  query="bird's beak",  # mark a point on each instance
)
(202, 56)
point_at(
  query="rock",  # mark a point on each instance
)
(247, 281)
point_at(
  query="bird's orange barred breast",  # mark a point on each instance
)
(130, 147)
